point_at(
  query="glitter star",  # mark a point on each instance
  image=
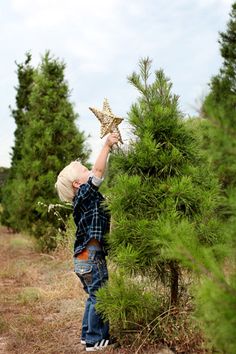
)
(109, 122)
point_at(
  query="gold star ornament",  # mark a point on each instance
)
(109, 122)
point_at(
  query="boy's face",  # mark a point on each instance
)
(82, 172)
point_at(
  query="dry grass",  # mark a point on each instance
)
(42, 303)
(41, 300)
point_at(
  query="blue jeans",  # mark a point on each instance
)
(93, 275)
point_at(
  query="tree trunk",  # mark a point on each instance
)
(174, 282)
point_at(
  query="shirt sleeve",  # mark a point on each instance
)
(96, 181)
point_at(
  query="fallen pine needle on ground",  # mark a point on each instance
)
(42, 301)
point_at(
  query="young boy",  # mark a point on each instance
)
(78, 185)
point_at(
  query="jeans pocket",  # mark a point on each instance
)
(84, 272)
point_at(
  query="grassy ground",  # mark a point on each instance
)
(41, 301)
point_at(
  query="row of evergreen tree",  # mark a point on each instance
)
(172, 195)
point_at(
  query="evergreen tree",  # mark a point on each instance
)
(25, 74)
(50, 142)
(25, 77)
(219, 108)
(161, 200)
(220, 104)
(4, 171)
(216, 296)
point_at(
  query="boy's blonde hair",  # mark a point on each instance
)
(64, 182)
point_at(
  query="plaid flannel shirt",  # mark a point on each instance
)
(91, 218)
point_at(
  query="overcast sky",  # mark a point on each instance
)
(101, 43)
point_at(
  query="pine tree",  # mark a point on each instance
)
(161, 200)
(25, 74)
(220, 104)
(219, 109)
(49, 143)
(216, 295)
(4, 171)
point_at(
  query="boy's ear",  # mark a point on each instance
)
(76, 184)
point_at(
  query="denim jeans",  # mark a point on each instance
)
(93, 275)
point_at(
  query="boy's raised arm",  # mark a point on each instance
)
(100, 164)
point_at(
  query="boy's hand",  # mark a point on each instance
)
(112, 139)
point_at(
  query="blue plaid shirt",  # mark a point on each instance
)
(91, 218)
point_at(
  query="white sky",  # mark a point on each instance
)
(101, 43)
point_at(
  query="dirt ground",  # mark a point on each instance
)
(41, 301)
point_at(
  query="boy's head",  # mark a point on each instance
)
(70, 179)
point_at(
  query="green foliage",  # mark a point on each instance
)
(158, 179)
(163, 199)
(216, 304)
(219, 109)
(49, 141)
(62, 238)
(215, 295)
(4, 171)
(219, 105)
(220, 144)
(25, 74)
(127, 303)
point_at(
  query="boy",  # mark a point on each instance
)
(77, 184)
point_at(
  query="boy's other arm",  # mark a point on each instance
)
(100, 164)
